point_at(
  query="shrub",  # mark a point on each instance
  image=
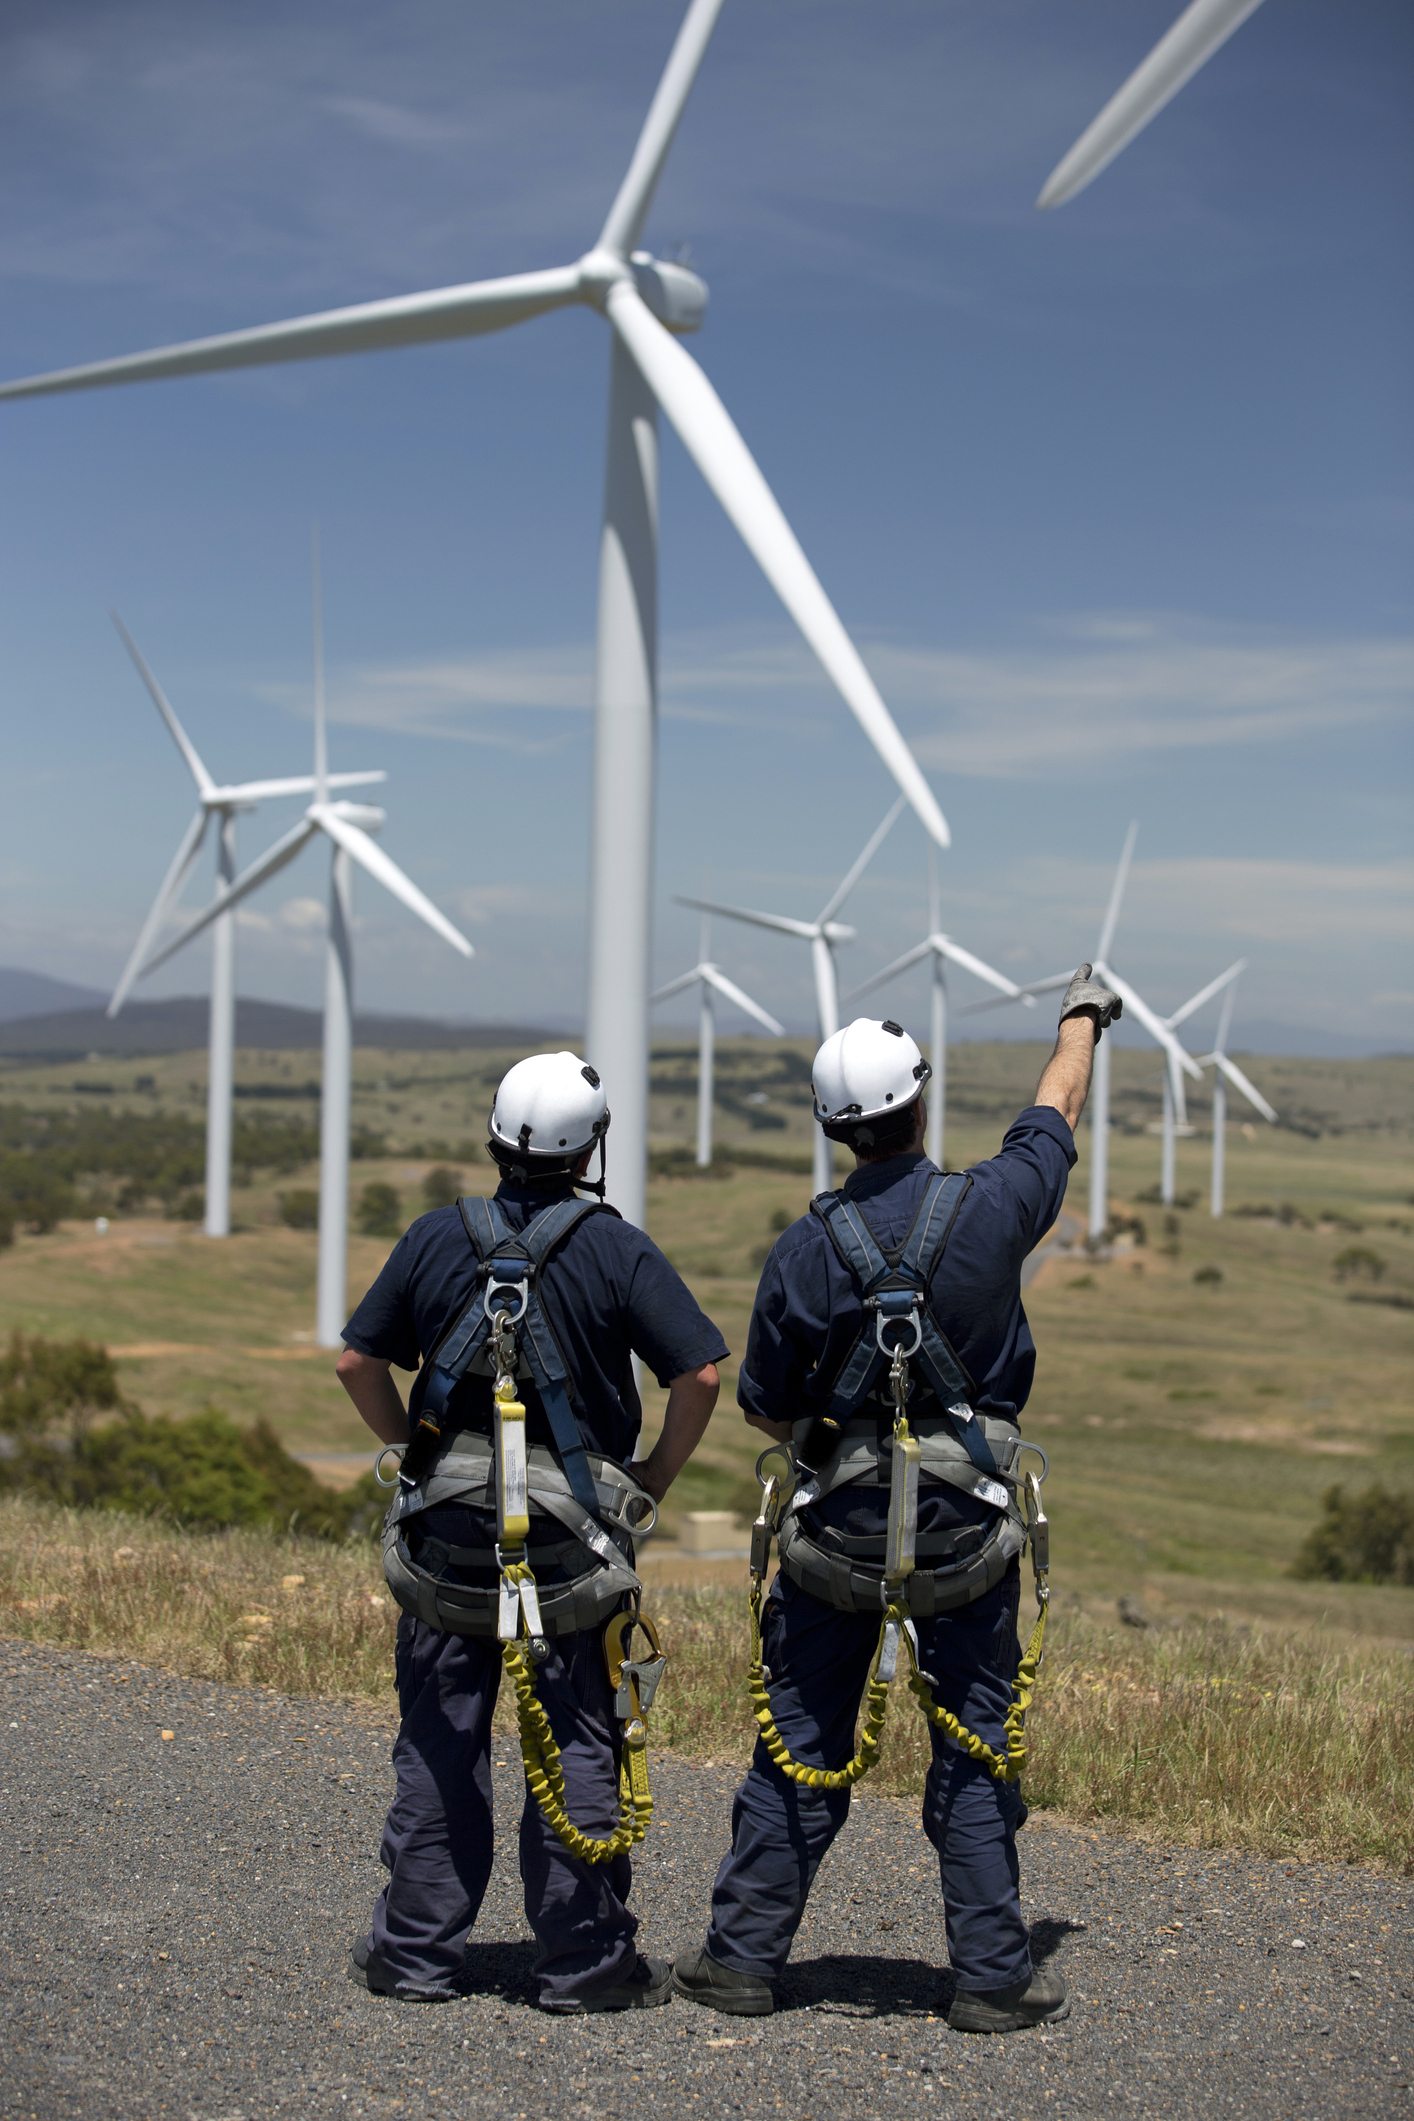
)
(1358, 1262)
(191, 1208)
(204, 1473)
(1209, 1275)
(1367, 1538)
(442, 1187)
(300, 1210)
(380, 1211)
(33, 1193)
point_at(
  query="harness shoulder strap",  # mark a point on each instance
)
(852, 1238)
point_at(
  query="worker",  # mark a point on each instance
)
(605, 1294)
(809, 1320)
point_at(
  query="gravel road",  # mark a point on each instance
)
(186, 1865)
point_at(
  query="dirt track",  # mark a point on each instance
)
(179, 1911)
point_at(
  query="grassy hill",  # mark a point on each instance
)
(1192, 1424)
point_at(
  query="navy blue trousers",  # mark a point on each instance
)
(819, 1660)
(438, 1838)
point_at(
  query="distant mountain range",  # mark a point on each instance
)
(35, 994)
(50, 1019)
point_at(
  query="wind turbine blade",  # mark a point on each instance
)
(1225, 1019)
(406, 320)
(806, 930)
(1177, 56)
(370, 855)
(188, 847)
(980, 970)
(299, 784)
(269, 864)
(183, 742)
(1205, 994)
(1027, 994)
(1157, 1029)
(876, 841)
(729, 990)
(724, 460)
(1239, 1081)
(1107, 933)
(900, 964)
(629, 211)
(677, 986)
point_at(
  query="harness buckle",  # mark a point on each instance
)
(378, 1458)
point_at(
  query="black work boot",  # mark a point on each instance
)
(650, 1984)
(1041, 2000)
(366, 1970)
(698, 1975)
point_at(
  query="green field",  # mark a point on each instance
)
(1192, 1426)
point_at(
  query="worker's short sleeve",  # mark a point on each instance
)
(668, 1329)
(383, 1324)
(789, 1322)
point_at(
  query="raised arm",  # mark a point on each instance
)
(1085, 1011)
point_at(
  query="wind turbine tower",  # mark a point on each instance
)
(713, 982)
(648, 303)
(1226, 1071)
(823, 934)
(223, 804)
(347, 827)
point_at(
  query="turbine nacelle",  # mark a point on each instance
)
(364, 815)
(674, 295)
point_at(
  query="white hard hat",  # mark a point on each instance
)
(869, 1070)
(551, 1107)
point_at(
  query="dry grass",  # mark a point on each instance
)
(1215, 1735)
(244, 1607)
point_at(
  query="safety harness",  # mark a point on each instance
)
(504, 1333)
(946, 1440)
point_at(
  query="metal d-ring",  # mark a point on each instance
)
(1027, 1445)
(378, 1458)
(891, 1347)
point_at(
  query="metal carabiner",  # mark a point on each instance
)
(1025, 1445)
(378, 1458)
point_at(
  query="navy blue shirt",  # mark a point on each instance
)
(608, 1293)
(809, 1309)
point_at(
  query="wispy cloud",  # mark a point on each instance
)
(1078, 692)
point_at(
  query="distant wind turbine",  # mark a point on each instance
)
(648, 302)
(223, 803)
(1098, 1104)
(1173, 1095)
(347, 826)
(1226, 1071)
(942, 950)
(823, 934)
(1175, 59)
(713, 981)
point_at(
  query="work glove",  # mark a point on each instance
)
(1084, 994)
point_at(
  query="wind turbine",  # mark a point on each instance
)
(713, 981)
(347, 827)
(1179, 1062)
(223, 804)
(1173, 1085)
(1226, 1071)
(1175, 59)
(646, 301)
(942, 950)
(822, 934)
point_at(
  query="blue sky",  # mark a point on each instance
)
(1116, 501)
